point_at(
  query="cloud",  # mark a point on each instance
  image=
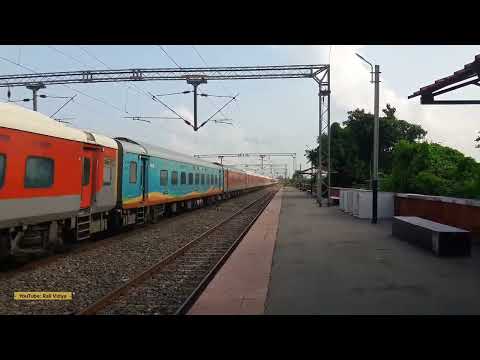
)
(454, 126)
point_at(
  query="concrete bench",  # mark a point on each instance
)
(441, 239)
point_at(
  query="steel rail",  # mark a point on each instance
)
(187, 304)
(9, 270)
(148, 273)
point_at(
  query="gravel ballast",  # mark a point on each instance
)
(92, 273)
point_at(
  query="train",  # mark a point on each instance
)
(59, 183)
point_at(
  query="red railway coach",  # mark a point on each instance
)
(238, 180)
(235, 180)
(257, 180)
(54, 180)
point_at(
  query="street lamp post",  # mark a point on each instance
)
(376, 81)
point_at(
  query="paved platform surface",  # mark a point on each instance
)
(328, 262)
(241, 285)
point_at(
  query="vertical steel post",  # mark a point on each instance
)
(319, 167)
(195, 82)
(195, 107)
(328, 124)
(34, 97)
(35, 88)
(375, 146)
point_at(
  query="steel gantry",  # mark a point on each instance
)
(148, 74)
(261, 156)
(323, 117)
(267, 167)
(195, 76)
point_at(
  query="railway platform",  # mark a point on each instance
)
(302, 259)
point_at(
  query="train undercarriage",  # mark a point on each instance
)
(51, 236)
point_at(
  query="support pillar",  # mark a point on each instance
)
(319, 167)
(35, 88)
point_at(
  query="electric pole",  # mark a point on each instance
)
(375, 145)
(195, 82)
(35, 88)
(376, 81)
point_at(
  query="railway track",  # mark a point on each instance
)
(173, 284)
(23, 264)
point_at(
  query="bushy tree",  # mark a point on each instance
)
(352, 145)
(433, 169)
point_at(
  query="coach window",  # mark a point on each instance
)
(183, 178)
(190, 179)
(174, 177)
(203, 179)
(212, 180)
(163, 177)
(197, 179)
(39, 172)
(133, 172)
(107, 172)
(208, 179)
(2, 168)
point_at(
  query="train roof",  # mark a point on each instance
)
(144, 148)
(249, 172)
(18, 118)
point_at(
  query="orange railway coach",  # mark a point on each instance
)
(53, 180)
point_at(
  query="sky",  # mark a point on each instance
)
(269, 115)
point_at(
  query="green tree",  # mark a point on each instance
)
(433, 169)
(352, 145)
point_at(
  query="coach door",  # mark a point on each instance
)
(87, 178)
(144, 177)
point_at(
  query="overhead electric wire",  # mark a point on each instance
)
(169, 108)
(93, 56)
(218, 96)
(203, 60)
(139, 119)
(61, 107)
(100, 99)
(57, 97)
(152, 117)
(166, 53)
(67, 55)
(219, 110)
(175, 93)
(173, 60)
(142, 118)
(139, 90)
(67, 86)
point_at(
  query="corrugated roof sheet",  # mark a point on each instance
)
(469, 70)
